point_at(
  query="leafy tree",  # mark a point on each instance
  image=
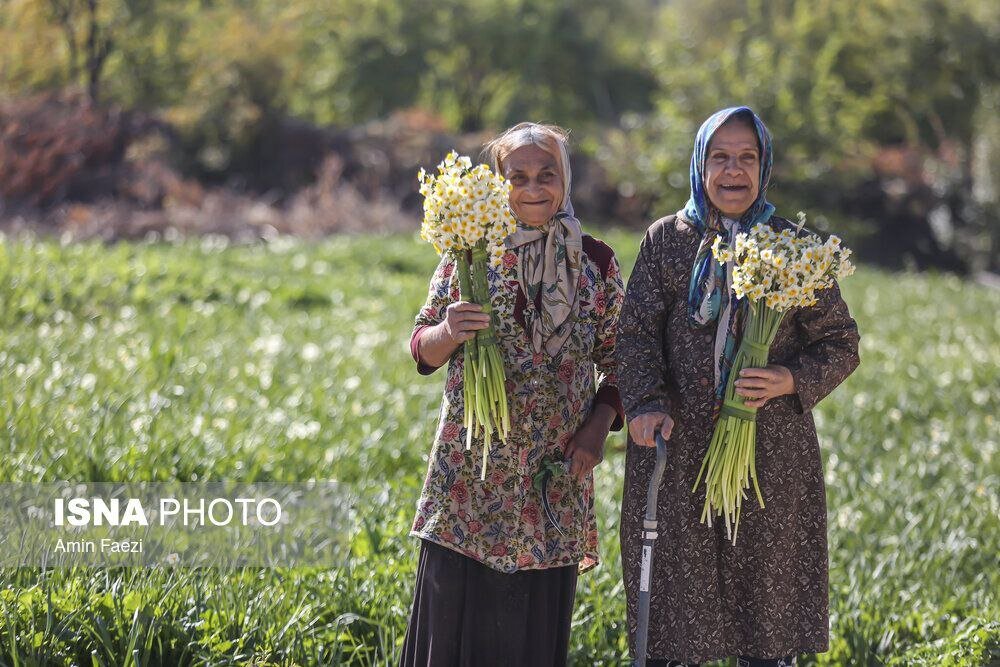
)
(837, 81)
(479, 63)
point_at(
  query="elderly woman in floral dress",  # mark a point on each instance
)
(497, 573)
(763, 599)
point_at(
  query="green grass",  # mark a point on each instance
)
(288, 362)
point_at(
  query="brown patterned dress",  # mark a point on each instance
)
(767, 595)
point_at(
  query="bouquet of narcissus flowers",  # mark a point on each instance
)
(776, 271)
(466, 214)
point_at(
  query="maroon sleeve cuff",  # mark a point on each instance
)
(422, 368)
(608, 394)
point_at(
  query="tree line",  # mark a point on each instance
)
(884, 112)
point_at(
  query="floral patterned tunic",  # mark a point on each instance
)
(766, 596)
(500, 521)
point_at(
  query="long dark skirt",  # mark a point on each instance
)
(466, 613)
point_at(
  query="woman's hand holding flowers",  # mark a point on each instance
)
(461, 322)
(759, 385)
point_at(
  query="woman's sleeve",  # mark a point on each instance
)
(642, 366)
(443, 291)
(604, 349)
(830, 349)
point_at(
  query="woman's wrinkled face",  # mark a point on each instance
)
(537, 180)
(732, 169)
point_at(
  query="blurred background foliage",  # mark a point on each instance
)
(885, 112)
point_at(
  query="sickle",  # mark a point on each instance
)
(548, 468)
(549, 514)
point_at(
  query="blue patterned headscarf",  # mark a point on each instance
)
(708, 294)
(697, 208)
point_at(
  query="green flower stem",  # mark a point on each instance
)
(483, 374)
(730, 467)
(470, 351)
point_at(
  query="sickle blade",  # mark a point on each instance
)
(549, 514)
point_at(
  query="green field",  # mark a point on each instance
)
(285, 362)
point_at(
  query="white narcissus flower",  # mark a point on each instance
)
(464, 204)
(785, 268)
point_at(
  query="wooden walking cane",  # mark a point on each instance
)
(648, 540)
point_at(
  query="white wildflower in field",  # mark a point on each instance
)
(259, 299)
(369, 340)
(140, 423)
(88, 381)
(157, 401)
(268, 345)
(310, 352)
(196, 425)
(302, 430)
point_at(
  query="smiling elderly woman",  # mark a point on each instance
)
(764, 599)
(497, 572)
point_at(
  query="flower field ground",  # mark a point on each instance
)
(287, 361)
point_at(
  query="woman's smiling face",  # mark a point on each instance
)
(538, 184)
(732, 168)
